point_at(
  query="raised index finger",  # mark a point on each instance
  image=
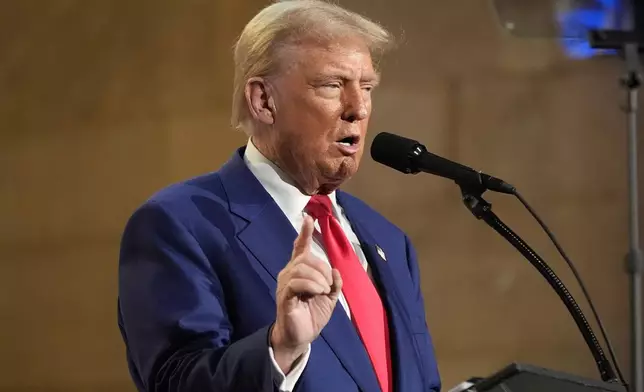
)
(302, 243)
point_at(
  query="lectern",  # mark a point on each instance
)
(518, 377)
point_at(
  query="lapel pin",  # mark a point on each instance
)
(381, 252)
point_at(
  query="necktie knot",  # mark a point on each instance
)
(319, 206)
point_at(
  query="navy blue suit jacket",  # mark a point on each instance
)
(197, 280)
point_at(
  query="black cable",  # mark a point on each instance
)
(581, 284)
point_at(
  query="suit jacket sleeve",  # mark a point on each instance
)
(423, 338)
(173, 314)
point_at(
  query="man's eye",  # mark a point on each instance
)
(332, 85)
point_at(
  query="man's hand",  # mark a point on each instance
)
(307, 292)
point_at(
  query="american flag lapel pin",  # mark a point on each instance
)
(381, 252)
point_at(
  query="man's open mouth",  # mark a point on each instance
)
(349, 141)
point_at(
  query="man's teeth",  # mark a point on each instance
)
(346, 144)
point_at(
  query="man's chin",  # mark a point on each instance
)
(344, 170)
(335, 172)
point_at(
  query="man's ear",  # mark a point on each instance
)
(260, 101)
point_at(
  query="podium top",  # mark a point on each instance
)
(518, 377)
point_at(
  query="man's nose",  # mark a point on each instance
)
(355, 105)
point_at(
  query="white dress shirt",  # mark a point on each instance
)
(292, 202)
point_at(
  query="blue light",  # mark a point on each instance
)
(575, 24)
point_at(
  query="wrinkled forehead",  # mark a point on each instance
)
(348, 55)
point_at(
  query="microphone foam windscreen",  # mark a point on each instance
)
(394, 151)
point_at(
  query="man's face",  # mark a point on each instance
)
(322, 100)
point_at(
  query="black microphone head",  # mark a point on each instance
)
(396, 152)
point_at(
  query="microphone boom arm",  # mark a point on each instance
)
(481, 209)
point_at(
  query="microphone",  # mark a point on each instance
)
(410, 157)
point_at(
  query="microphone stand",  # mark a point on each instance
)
(481, 209)
(630, 42)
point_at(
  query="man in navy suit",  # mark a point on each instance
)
(263, 276)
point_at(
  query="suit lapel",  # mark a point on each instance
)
(399, 324)
(269, 236)
(341, 335)
(266, 232)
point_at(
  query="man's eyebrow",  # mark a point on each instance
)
(370, 78)
(373, 78)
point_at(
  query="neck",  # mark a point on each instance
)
(306, 187)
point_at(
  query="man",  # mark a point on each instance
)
(263, 276)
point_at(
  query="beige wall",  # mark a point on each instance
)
(103, 103)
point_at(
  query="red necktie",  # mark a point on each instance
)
(367, 312)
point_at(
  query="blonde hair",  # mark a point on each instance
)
(288, 23)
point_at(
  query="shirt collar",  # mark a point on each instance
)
(281, 188)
